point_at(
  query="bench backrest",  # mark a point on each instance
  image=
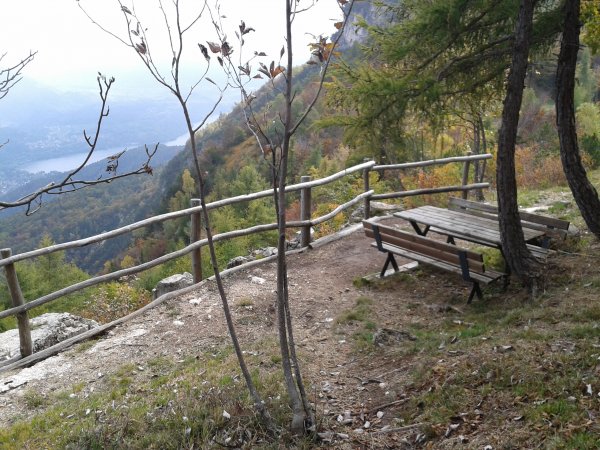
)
(552, 226)
(420, 244)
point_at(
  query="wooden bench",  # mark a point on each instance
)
(552, 227)
(450, 258)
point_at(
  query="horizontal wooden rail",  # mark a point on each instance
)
(432, 162)
(177, 214)
(425, 191)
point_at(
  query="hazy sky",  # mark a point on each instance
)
(71, 50)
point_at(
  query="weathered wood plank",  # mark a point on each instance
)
(432, 162)
(457, 188)
(551, 225)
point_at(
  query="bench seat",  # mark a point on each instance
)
(447, 257)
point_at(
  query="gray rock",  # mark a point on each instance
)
(238, 261)
(173, 283)
(46, 330)
(265, 252)
(269, 251)
(386, 336)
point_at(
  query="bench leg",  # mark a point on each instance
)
(545, 242)
(476, 290)
(392, 260)
(450, 240)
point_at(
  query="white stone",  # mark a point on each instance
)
(46, 330)
(173, 283)
(257, 280)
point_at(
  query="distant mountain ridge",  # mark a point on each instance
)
(43, 123)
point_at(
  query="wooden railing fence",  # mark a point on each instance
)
(20, 306)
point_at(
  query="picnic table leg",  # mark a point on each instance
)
(392, 260)
(418, 230)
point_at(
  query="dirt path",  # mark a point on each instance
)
(321, 287)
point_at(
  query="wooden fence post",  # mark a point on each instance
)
(367, 201)
(16, 296)
(305, 210)
(465, 176)
(195, 235)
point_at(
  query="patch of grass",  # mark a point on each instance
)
(531, 334)
(226, 380)
(589, 313)
(426, 340)
(582, 441)
(359, 313)
(443, 403)
(34, 399)
(492, 258)
(473, 331)
(558, 411)
(85, 345)
(387, 283)
(362, 282)
(180, 408)
(557, 208)
(245, 302)
(583, 331)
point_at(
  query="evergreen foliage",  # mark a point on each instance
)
(436, 60)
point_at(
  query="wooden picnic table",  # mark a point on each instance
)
(481, 230)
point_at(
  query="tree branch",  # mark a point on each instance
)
(33, 200)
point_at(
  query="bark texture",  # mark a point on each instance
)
(583, 191)
(517, 257)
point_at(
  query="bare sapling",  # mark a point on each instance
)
(273, 131)
(177, 28)
(33, 200)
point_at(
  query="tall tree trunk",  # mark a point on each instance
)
(483, 148)
(583, 191)
(518, 258)
(478, 166)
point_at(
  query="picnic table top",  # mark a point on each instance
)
(462, 225)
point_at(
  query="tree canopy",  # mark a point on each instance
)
(434, 60)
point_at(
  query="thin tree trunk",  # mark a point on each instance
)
(483, 148)
(295, 388)
(583, 191)
(258, 403)
(517, 257)
(477, 132)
